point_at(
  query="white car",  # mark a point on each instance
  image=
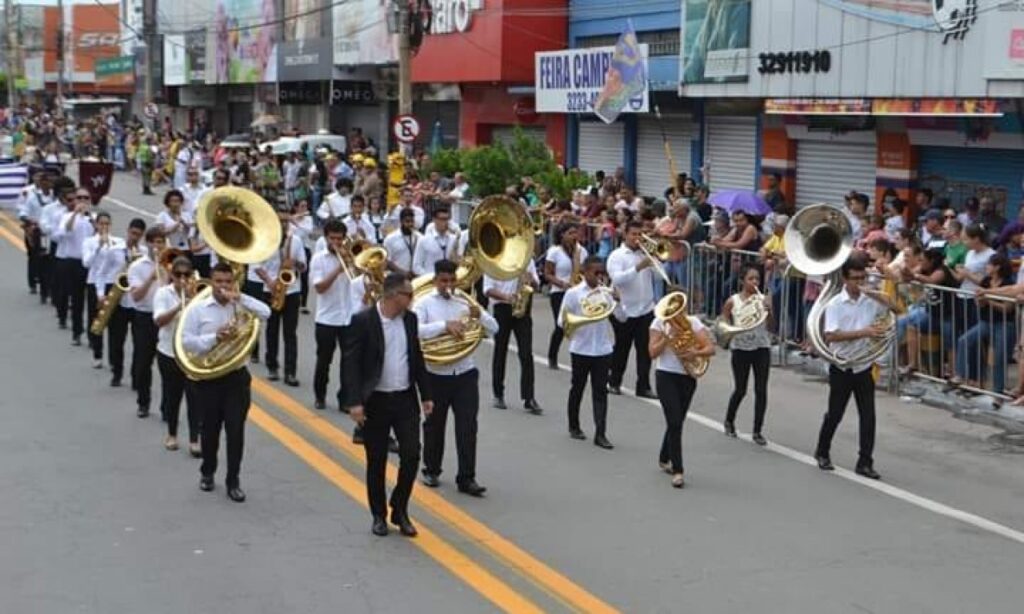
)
(288, 144)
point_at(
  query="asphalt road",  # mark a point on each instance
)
(97, 517)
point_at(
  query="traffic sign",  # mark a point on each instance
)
(406, 128)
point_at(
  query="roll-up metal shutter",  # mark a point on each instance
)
(652, 171)
(600, 147)
(827, 171)
(731, 152)
(506, 135)
(957, 173)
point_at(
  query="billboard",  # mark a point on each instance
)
(92, 32)
(361, 33)
(244, 53)
(715, 40)
(305, 60)
(304, 19)
(175, 60)
(571, 80)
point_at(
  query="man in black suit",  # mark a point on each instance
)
(383, 371)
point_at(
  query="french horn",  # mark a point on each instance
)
(596, 305)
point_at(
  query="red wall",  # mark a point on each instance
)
(499, 45)
(484, 107)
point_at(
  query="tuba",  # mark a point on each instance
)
(672, 309)
(746, 316)
(596, 305)
(500, 246)
(819, 239)
(241, 228)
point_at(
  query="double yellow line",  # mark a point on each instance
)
(510, 556)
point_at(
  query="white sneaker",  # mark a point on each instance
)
(97, 364)
(171, 443)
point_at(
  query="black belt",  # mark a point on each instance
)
(397, 393)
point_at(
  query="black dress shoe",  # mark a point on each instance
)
(62, 325)
(206, 483)
(577, 434)
(472, 489)
(319, 404)
(646, 394)
(357, 436)
(868, 471)
(115, 382)
(405, 526)
(254, 359)
(614, 389)
(273, 376)
(380, 528)
(824, 463)
(602, 442)
(76, 341)
(143, 411)
(289, 380)
(730, 429)
(236, 494)
(759, 439)
(430, 480)
(532, 406)
(553, 365)
(499, 403)
(392, 445)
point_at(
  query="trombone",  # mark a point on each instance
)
(657, 250)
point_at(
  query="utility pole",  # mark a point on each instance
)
(149, 33)
(9, 37)
(60, 57)
(404, 61)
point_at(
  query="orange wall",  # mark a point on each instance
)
(778, 155)
(897, 168)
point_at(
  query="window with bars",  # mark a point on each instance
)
(661, 42)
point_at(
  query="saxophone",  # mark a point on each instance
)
(113, 298)
(285, 278)
(523, 294)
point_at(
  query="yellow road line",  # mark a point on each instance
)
(556, 584)
(481, 580)
(15, 240)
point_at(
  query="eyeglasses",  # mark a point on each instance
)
(181, 273)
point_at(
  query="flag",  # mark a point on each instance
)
(13, 180)
(95, 177)
(626, 77)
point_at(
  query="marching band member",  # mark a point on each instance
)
(175, 224)
(333, 312)
(630, 271)
(49, 219)
(290, 254)
(750, 351)
(401, 245)
(194, 190)
(74, 228)
(144, 278)
(406, 204)
(676, 388)
(124, 314)
(103, 257)
(454, 386)
(338, 203)
(168, 302)
(302, 227)
(30, 212)
(505, 294)
(440, 242)
(223, 401)
(359, 226)
(384, 370)
(562, 264)
(590, 349)
(849, 323)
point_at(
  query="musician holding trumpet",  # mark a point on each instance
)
(143, 280)
(168, 302)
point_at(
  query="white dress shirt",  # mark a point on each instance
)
(434, 312)
(191, 195)
(32, 205)
(332, 305)
(402, 248)
(844, 313)
(165, 300)
(510, 286)
(50, 218)
(395, 217)
(668, 361)
(636, 288)
(335, 205)
(563, 263)
(126, 299)
(178, 237)
(357, 294)
(364, 225)
(272, 266)
(596, 339)
(138, 273)
(303, 229)
(104, 262)
(69, 242)
(394, 377)
(433, 247)
(200, 326)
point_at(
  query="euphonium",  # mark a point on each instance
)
(818, 241)
(746, 316)
(241, 228)
(596, 305)
(672, 309)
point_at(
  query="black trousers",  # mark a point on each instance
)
(144, 333)
(595, 368)
(743, 362)
(255, 290)
(173, 386)
(675, 391)
(34, 253)
(841, 385)
(328, 338)
(555, 342)
(387, 411)
(47, 281)
(523, 330)
(201, 263)
(71, 283)
(304, 276)
(635, 332)
(223, 402)
(283, 323)
(117, 332)
(461, 394)
(92, 306)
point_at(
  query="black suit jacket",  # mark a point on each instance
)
(364, 356)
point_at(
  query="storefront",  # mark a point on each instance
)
(730, 152)
(653, 176)
(957, 173)
(304, 75)
(600, 146)
(827, 170)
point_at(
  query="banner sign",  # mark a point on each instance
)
(116, 70)
(571, 80)
(95, 177)
(300, 92)
(305, 60)
(352, 92)
(906, 107)
(715, 41)
(817, 106)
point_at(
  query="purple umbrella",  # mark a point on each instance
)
(740, 200)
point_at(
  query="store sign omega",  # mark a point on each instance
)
(452, 16)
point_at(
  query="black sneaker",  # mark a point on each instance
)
(824, 463)
(143, 411)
